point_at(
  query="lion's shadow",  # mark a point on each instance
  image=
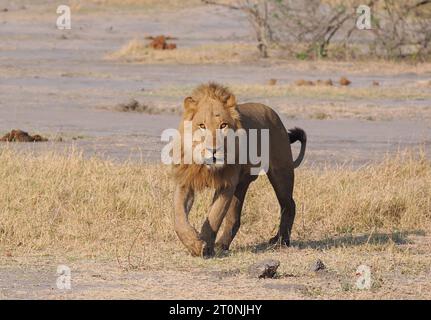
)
(399, 237)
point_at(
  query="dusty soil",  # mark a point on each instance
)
(59, 84)
(400, 269)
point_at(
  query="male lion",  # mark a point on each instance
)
(212, 109)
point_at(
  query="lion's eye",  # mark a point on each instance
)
(202, 126)
(223, 125)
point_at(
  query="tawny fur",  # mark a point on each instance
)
(195, 175)
(210, 108)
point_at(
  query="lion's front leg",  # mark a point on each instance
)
(184, 197)
(217, 212)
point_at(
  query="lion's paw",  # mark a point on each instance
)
(207, 251)
(276, 240)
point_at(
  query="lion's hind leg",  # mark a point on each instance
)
(282, 181)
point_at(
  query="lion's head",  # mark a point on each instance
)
(210, 112)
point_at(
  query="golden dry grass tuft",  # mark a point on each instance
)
(88, 207)
(137, 51)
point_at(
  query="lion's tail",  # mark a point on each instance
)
(297, 134)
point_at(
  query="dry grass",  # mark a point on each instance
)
(56, 209)
(309, 92)
(137, 51)
(53, 203)
(363, 111)
(341, 102)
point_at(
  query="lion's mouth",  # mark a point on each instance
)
(214, 162)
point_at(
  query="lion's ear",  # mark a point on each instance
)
(190, 108)
(189, 104)
(231, 101)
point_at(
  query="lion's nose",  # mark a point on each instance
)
(211, 150)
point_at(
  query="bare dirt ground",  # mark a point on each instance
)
(400, 269)
(60, 84)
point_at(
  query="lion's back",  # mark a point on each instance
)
(259, 116)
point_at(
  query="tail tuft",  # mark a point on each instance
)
(297, 134)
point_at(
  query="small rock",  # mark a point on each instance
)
(272, 82)
(5, 10)
(344, 81)
(376, 83)
(318, 265)
(264, 269)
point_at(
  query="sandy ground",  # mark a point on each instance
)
(399, 265)
(56, 83)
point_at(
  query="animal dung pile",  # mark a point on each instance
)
(344, 81)
(272, 82)
(161, 42)
(22, 136)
